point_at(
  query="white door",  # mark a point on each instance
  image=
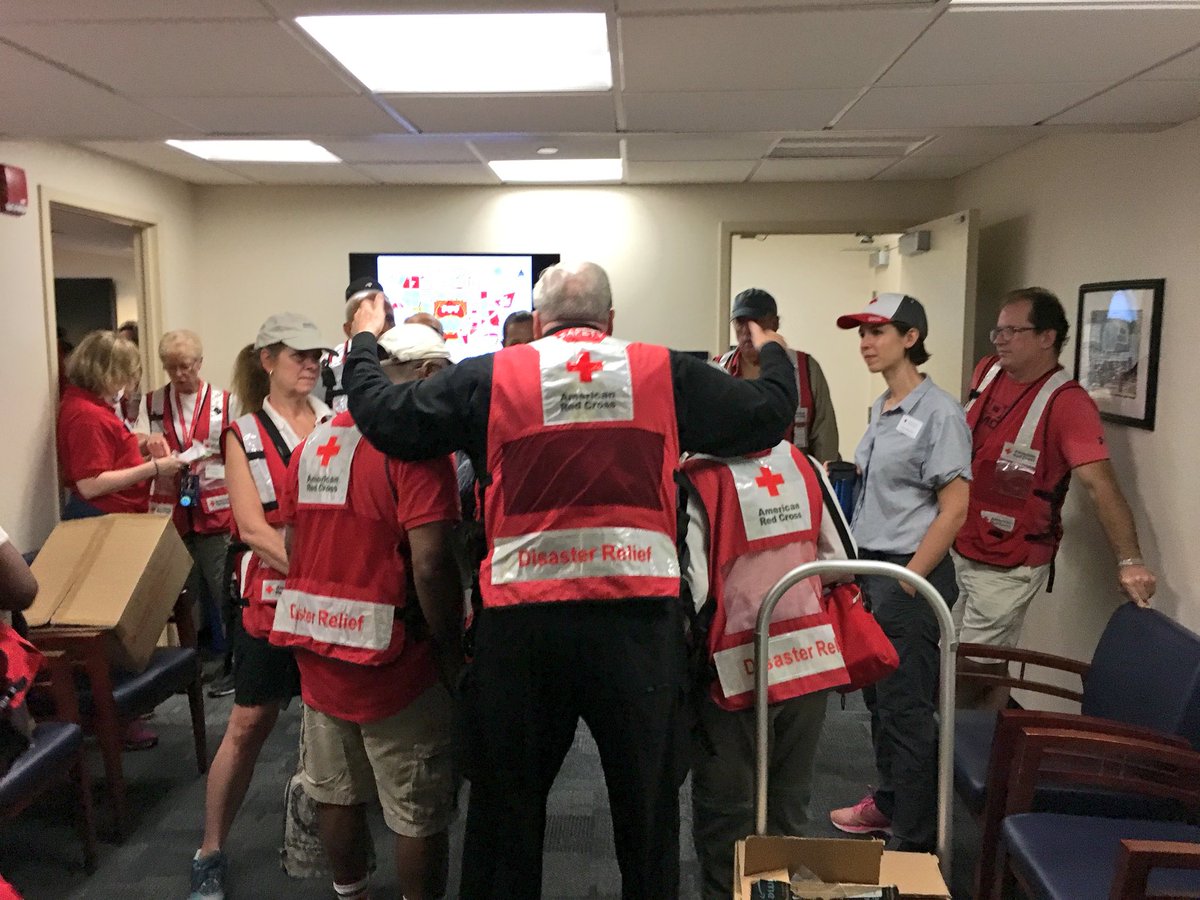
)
(943, 279)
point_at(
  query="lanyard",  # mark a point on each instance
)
(186, 439)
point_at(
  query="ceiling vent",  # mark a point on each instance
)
(840, 147)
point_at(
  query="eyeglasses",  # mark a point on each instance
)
(1007, 332)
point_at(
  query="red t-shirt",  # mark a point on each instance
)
(427, 492)
(1074, 432)
(91, 441)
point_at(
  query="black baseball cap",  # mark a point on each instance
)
(358, 285)
(753, 303)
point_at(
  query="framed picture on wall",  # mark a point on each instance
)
(1119, 330)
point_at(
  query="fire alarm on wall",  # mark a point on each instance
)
(14, 192)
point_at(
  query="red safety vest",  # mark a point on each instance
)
(582, 448)
(343, 615)
(1013, 521)
(764, 513)
(208, 422)
(797, 432)
(259, 584)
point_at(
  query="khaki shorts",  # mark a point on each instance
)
(992, 600)
(405, 760)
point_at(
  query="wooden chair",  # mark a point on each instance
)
(114, 697)
(1161, 703)
(55, 751)
(1055, 856)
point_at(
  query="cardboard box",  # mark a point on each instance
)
(849, 862)
(121, 572)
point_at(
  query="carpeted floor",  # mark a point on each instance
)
(41, 855)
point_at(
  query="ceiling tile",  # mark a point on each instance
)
(401, 148)
(963, 105)
(688, 172)
(733, 111)
(168, 160)
(1043, 46)
(187, 59)
(507, 113)
(110, 10)
(298, 173)
(578, 146)
(40, 101)
(1145, 102)
(432, 173)
(679, 147)
(990, 142)
(922, 167)
(818, 169)
(277, 116)
(763, 51)
(1182, 68)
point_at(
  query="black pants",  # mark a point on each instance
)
(537, 670)
(902, 705)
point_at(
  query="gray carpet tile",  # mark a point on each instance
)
(41, 854)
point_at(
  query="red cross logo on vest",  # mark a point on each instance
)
(328, 450)
(584, 366)
(769, 480)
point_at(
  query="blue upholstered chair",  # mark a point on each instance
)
(1054, 856)
(55, 752)
(1143, 683)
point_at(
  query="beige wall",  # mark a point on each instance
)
(28, 491)
(260, 250)
(1071, 210)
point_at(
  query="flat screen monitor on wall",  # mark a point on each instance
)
(471, 294)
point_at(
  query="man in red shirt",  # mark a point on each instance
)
(1032, 429)
(377, 721)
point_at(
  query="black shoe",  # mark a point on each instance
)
(221, 687)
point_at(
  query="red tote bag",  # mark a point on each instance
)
(866, 650)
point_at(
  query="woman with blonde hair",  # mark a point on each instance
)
(274, 378)
(102, 464)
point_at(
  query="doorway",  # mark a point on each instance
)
(817, 277)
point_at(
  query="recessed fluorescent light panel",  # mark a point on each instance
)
(469, 53)
(257, 151)
(561, 171)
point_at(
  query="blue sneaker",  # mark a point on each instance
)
(208, 876)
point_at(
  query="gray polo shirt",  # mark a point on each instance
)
(908, 454)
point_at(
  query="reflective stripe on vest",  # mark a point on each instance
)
(256, 456)
(583, 553)
(987, 379)
(335, 620)
(791, 656)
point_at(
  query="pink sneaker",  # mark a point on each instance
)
(863, 817)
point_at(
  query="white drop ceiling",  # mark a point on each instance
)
(704, 90)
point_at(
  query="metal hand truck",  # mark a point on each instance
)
(949, 649)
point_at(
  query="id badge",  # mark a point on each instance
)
(1015, 470)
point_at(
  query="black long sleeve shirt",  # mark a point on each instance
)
(716, 414)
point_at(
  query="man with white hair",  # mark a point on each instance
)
(377, 721)
(190, 415)
(576, 438)
(331, 367)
